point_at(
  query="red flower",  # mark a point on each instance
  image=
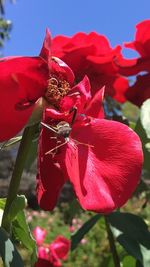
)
(23, 80)
(140, 91)
(101, 158)
(59, 249)
(91, 55)
(51, 255)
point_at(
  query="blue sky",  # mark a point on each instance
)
(115, 19)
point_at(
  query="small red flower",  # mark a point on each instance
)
(59, 249)
(101, 158)
(140, 91)
(23, 80)
(50, 255)
(91, 55)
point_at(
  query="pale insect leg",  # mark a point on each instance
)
(54, 137)
(50, 151)
(57, 142)
(80, 143)
(49, 127)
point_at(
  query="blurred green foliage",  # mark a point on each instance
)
(93, 250)
(5, 24)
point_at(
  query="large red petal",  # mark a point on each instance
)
(22, 81)
(104, 176)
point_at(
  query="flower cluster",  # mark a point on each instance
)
(50, 255)
(102, 159)
(91, 54)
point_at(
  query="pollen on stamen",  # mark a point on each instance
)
(57, 88)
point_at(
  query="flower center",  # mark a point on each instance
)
(56, 90)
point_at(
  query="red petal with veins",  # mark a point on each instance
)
(23, 80)
(50, 178)
(104, 176)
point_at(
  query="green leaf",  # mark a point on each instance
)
(17, 205)
(128, 261)
(8, 252)
(141, 132)
(2, 206)
(145, 116)
(31, 155)
(22, 232)
(130, 111)
(132, 233)
(2, 203)
(86, 227)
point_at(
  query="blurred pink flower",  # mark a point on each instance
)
(83, 241)
(72, 228)
(39, 235)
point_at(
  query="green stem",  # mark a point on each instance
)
(112, 244)
(24, 147)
